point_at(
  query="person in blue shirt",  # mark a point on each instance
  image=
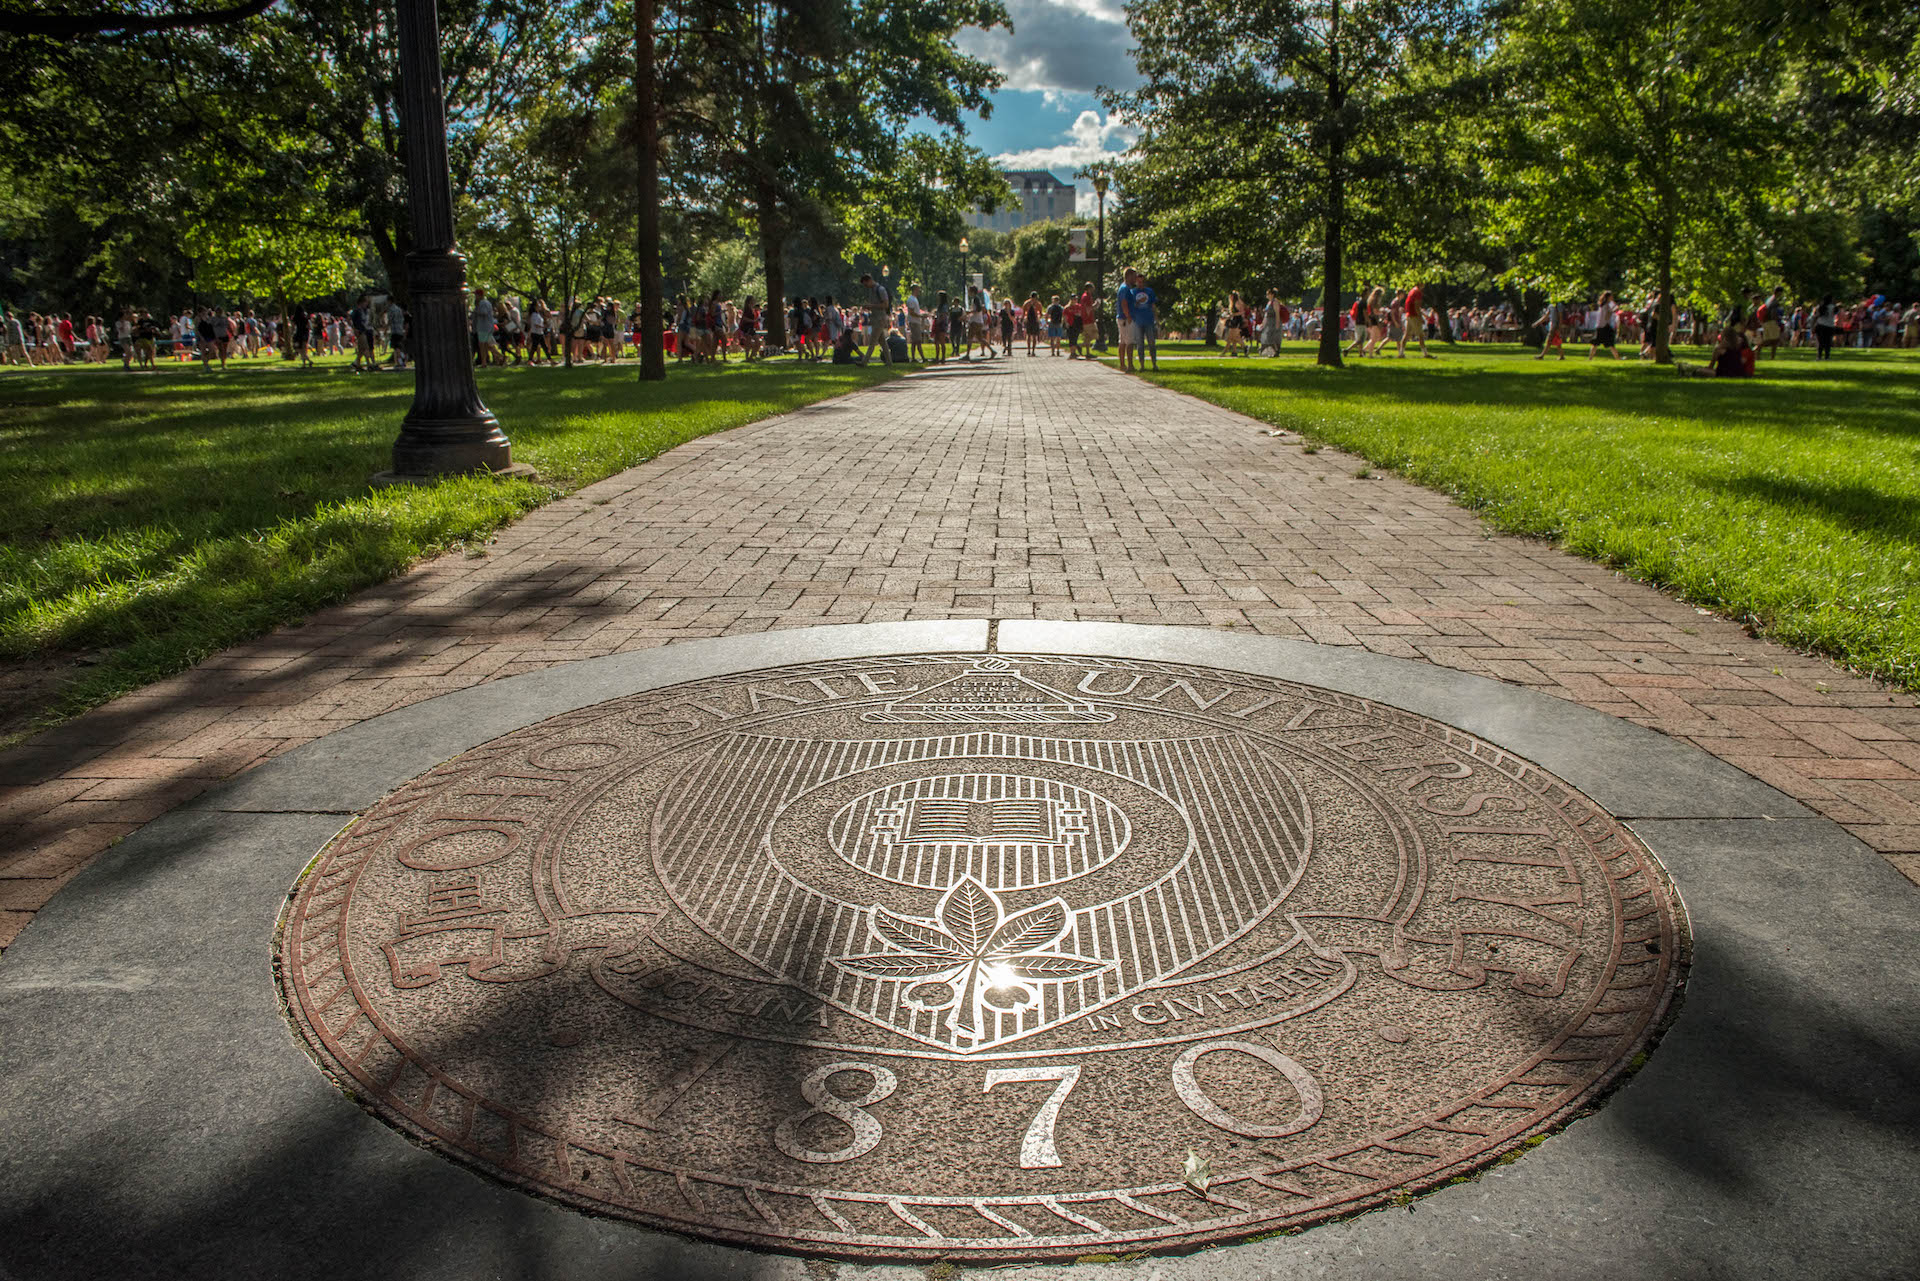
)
(1123, 313)
(1146, 320)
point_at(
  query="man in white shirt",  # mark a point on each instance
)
(537, 335)
(397, 332)
(487, 353)
(123, 334)
(916, 324)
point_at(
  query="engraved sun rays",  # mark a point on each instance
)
(971, 956)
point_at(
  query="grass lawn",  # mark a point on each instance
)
(1791, 502)
(152, 519)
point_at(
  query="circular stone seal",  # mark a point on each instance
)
(981, 957)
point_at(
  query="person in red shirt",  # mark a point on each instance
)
(1358, 315)
(1415, 323)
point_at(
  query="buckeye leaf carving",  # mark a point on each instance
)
(898, 965)
(916, 936)
(1028, 931)
(973, 935)
(1045, 965)
(970, 914)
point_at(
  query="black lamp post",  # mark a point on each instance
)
(449, 431)
(966, 284)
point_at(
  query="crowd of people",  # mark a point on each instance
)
(1379, 322)
(894, 328)
(140, 339)
(876, 323)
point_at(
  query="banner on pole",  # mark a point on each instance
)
(1077, 245)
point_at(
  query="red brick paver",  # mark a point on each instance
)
(1035, 489)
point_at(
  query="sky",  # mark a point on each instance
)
(1046, 116)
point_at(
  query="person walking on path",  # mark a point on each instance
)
(1030, 321)
(878, 303)
(483, 336)
(1773, 312)
(146, 335)
(1606, 322)
(397, 333)
(1123, 313)
(362, 326)
(1826, 319)
(1357, 318)
(1415, 323)
(1146, 324)
(917, 326)
(1552, 322)
(1650, 326)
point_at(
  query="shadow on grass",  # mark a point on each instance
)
(1794, 395)
(156, 520)
(1859, 507)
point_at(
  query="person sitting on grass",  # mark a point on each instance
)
(1732, 357)
(846, 347)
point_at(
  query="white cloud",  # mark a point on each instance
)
(1072, 45)
(1089, 138)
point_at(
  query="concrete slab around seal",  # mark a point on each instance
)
(161, 1121)
(1648, 775)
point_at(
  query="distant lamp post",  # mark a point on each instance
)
(449, 431)
(1100, 181)
(966, 282)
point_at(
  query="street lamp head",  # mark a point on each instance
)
(1100, 181)
(963, 244)
(885, 271)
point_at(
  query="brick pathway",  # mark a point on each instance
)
(1037, 489)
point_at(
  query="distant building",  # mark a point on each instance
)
(1038, 196)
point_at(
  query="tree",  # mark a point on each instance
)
(298, 109)
(1643, 149)
(1273, 126)
(290, 250)
(335, 71)
(550, 211)
(730, 267)
(794, 118)
(1036, 261)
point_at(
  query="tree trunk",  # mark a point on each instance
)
(1329, 355)
(773, 261)
(1213, 322)
(1533, 304)
(653, 356)
(1437, 296)
(392, 244)
(1663, 315)
(568, 284)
